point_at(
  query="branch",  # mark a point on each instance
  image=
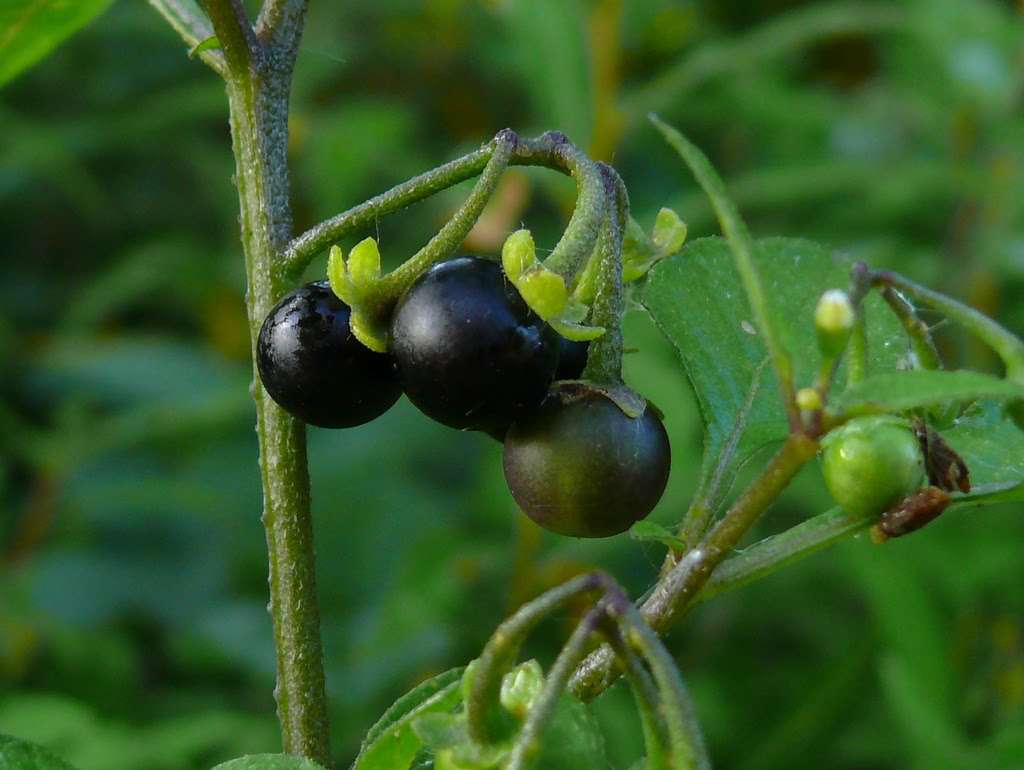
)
(280, 26)
(193, 29)
(235, 33)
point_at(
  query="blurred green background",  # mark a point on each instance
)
(133, 629)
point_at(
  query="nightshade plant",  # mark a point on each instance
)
(793, 363)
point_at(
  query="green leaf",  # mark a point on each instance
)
(30, 29)
(269, 762)
(900, 391)
(650, 531)
(17, 754)
(698, 302)
(993, 448)
(391, 743)
(211, 43)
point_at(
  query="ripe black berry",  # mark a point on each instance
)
(471, 354)
(313, 367)
(572, 359)
(579, 466)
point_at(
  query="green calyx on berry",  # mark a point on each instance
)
(640, 251)
(355, 281)
(544, 290)
(872, 463)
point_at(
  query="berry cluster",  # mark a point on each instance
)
(470, 353)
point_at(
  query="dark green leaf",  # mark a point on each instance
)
(697, 300)
(30, 29)
(391, 743)
(269, 762)
(899, 391)
(16, 754)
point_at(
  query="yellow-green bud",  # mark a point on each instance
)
(808, 399)
(834, 318)
(518, 254)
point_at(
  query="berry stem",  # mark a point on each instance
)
(604, 360)
(550, 150)
(258, 84)
(454, 232)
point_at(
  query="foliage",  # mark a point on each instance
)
(134, 568)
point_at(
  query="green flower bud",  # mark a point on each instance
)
(834, 318)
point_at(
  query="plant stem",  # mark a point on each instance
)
(258, 86)
(604, 360)
(917, 330)
(1009, 347)
(778, 551)
(676, 591)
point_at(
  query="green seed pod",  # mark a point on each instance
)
(871, 463)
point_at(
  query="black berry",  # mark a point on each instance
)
(313, 367)
(572, 359)
(579, 466)
(471, 354)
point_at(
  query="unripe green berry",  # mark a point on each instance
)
(871, 463)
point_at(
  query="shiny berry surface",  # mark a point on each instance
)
(579, 466)
(314, 368)
(470, 353)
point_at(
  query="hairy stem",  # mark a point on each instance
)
(258, 85)
(676, 591)
(604, 361)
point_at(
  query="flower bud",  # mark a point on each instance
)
(834, 318)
